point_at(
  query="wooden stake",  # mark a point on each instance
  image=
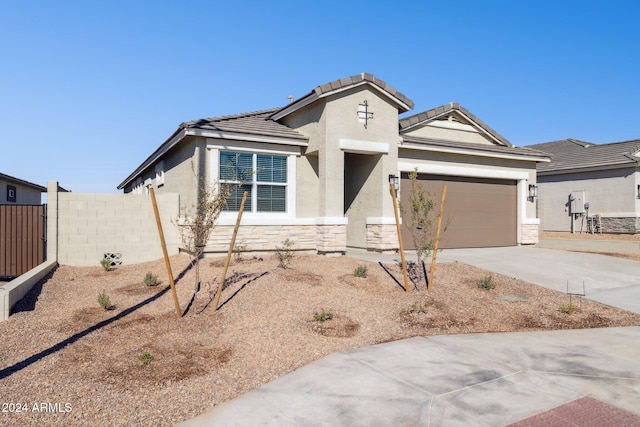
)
(164, 252)
(226, 263)
(435, 247)
(395, 211)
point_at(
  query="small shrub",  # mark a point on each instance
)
(322, 316)
(569, 309)
(104, 301)
(360, 271)
(418, 308)
(238, 251)
(486, 283)
(106, 264)
(145, 357)
(151, 279)
(285, 253)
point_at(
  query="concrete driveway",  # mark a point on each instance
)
(586, 377)
(607, 279)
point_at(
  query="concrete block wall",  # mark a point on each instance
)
(382, 238)
(91, 225)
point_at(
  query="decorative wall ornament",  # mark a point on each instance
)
(364, 114)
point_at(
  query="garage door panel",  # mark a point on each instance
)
(479, 212)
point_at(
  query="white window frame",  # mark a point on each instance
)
(252, 216)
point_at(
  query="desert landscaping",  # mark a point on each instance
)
(139, 364)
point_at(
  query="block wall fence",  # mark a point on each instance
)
(83, 227)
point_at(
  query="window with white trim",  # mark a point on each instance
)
(263, 176)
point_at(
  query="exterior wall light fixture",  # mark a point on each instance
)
(393, 179)
(638, 191)
(533, 192)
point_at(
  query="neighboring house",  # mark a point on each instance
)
(583, 180)
(14, 191)
(323, 167)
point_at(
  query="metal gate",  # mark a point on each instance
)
(22, 238)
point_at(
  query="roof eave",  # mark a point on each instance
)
(184, 132)
(448, 108)
(174, 139)
(473, 152)
(317, 94)
(24, 183)
(588, 169)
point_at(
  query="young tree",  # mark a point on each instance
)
(199, 220)
(421, 219)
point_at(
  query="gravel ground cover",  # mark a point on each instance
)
(597, 236)
(66, 361)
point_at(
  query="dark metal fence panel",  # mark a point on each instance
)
(22, 238)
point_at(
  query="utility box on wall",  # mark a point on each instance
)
(577, 201)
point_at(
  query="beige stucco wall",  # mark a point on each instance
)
(611, 194)
(90, 225)
(24, 195)
(307, 187)
(449, 131)
(323, 169)
(181, 165)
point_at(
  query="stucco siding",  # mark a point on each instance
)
(464, 133)
(24, 195)
(307, 187)
(609, 193)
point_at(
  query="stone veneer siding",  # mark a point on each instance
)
(529, 234)
(324, 239)
(382, 238)
(621, 225)
(331, 239)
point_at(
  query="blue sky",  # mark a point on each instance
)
(89, 89)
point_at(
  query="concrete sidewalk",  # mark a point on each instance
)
(457, 380)
(469, 380)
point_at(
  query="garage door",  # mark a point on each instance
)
(481, 212)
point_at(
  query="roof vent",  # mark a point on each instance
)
(290, 98)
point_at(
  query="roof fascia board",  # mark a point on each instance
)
(313, 96)
(377, 88)
(468, 152)
(182, 133)
(587, 169)
(254, 147)
(22, 182)
(169, 144)
(239, 136)
(481, 128)
(477, 126)
(294, 106)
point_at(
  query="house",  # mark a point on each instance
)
(324, 163)
(584, 180)
(14, 191)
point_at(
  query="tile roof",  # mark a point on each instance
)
(256, 123)
(22, 182)
(569, 154)
(499, 149)
(408, 122)
(404, 103)
(358, 78)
